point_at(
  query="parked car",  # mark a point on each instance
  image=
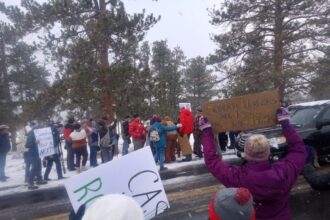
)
(312, 122)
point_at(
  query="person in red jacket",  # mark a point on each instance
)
(187, 122)
(138, 132)
(68, 128)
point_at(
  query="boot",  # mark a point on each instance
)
(41, 182)
(32, 187)
(163, 168)
(187, 158)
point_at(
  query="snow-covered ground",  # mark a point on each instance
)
(15, 169)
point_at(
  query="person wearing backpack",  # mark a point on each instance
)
(158, 137)
(105, 145)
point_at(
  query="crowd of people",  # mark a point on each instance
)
(265, 183)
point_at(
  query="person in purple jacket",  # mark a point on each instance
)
(269, 183)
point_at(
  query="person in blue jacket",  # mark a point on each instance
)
(158, 137)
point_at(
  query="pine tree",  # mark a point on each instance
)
(320, 83)
(280, 37)
(98, 30)
(199, 83)
(167, 68)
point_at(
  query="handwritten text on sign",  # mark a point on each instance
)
(135, 175)
(44, 136)
(244, 112)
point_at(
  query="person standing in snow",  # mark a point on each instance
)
(158, 137)
(79, 145)
(33, 157)
(198, 135)
(93, 142)
(107, 148)
(4, 149)
(269, 183)
(55, 158)
(171, 139)
(125, 134)
(68, 128)
(138, 132)
(187, 122)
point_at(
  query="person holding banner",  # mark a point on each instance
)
(33, 157)
(269, 183)
(79, 145)
(187, 122)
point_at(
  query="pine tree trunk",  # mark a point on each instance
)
(104, 60)
(279, 81)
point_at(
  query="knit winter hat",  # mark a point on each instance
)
(232, 204)
(114, 207)
(257, 148)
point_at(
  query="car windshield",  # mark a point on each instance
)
(303, 116)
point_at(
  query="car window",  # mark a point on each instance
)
(326, 116)
(304, 116)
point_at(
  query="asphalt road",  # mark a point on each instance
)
(188, 195)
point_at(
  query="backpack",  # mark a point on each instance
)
(154, 135)
(105, 140)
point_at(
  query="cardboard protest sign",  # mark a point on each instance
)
(185, 105)
(44, 137)
(244, 112)
(134, 175)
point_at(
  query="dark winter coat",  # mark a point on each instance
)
(31, 144)
(269, 183)
(162, 129)
(125, 129)
(4, 143)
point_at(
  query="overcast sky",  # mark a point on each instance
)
(183, 23)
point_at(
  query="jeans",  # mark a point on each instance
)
(70, 156)
(198, 145)
(93, 155)
(160, 154)
(127, 141)
(50, 160)
(27, 166)
(107, 153)
(2, 165)
(35, 172)
(81, 152)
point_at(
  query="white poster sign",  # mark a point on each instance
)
(44, 137)
(135, 175)
(185, 105)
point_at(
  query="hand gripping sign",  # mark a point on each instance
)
(135, 175)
